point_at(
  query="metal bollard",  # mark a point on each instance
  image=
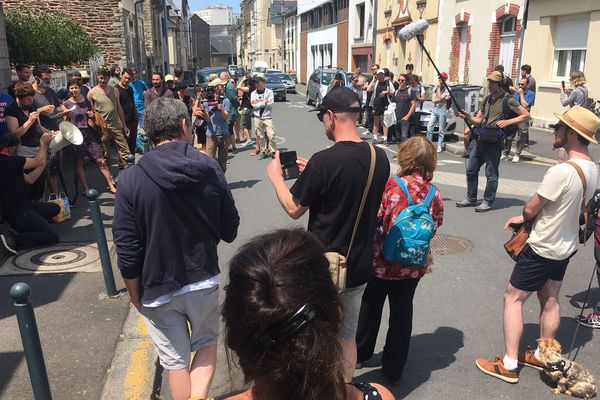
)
(146, 143)
(32, 347)
(109, 279)
(130, 159)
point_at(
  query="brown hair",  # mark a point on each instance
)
(24, 89)
(577, 78)
(270, 278)
(417, 155)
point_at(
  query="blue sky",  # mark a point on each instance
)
(196, 5)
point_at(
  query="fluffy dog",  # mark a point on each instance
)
(570, 377)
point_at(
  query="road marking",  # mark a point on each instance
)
(137, 375)
(540, 163)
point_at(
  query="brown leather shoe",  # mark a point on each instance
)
(496, 369)
(528, 358)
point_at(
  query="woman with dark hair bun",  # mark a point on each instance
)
(282, 316)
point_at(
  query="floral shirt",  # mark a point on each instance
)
(393, 201)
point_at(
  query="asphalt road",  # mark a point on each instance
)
(458, 308)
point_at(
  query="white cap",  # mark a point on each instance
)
(380, 71)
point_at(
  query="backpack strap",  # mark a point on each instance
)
(404, 188)
(430, 195)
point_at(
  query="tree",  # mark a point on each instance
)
(48, 38)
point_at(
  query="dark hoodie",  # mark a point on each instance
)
(151, 238)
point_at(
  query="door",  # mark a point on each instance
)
(507, 45)
(462, 53)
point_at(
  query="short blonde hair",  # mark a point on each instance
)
(417, 155)
(212, 77)
(577, 78)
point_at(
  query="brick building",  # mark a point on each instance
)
(474, 36)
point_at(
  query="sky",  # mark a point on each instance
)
(196, 5)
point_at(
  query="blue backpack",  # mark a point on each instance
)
(408, 240)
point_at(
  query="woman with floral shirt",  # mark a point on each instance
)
(417, 159)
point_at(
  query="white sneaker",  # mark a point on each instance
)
(516, 159)
(439, 149)
(503, 157)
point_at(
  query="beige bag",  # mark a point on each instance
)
(338, 263)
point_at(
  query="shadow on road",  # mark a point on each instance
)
(428, 352)
(506, 202)
(10, 362)
(243, 184)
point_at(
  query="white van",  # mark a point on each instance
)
(260, 67)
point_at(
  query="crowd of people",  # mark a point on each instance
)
(295, 334)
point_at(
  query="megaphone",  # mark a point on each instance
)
(69, 134)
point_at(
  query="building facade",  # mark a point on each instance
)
(291, 41)
(279, 12)
(361, 22)
(394, 53)
(476, 36)
(559, 39)
(200, 42)
(323, 36)
(217, 15)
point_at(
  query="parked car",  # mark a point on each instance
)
(203, 75)
(290, 85)
(425, 115)
(274, 71)
(318, 84)
(235, 71)
(278, 88)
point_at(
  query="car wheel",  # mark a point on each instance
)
(318, 101)
(307, 98)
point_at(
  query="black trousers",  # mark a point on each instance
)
(32, 226)
(397, 342)
(132, 138)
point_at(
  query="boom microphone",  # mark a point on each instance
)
(413, 29)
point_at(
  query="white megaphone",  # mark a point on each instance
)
(69, 134)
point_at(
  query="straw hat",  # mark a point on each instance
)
(216, 82)
(582, 121)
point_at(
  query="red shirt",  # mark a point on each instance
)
(393, 201)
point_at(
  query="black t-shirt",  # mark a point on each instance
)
(127, 102)
(332, 186)
(402, 98)
(31, 138)
(14, 192)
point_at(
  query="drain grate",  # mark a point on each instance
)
(446, 245)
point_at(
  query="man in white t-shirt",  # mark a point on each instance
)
(541, 265)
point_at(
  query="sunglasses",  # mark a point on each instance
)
(320, 115)
(401, 80)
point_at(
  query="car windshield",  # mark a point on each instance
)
(284, 76)
(273, 79)
(205, 75)
(327, 77)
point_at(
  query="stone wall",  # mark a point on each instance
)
(4, 61)
(102, 20)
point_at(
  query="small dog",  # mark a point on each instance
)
(571, 378)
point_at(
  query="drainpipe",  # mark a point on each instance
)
(374, 46)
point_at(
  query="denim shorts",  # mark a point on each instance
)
(168, 326)
(352, 298)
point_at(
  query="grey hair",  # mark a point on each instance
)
(223, 74)
(162, 120)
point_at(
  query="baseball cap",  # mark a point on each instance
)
(495, 76)
(409, 66)
(84, 74)
(169, 77)
(340, 99)
(444, 75)
(380, 71)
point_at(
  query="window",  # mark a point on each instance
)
(570, 44)
(360, 21)
(462, 52)
(508, 25)
(507, 44)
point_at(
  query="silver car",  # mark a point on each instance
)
(318, 84)
(290, 85)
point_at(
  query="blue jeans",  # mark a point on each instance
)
(488, 153)
(437, 115)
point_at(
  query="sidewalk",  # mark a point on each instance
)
(80, 329)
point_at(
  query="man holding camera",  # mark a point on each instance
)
(215, 113)
(491, 122)
(262, 102)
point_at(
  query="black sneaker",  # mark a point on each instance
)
(263, 156)
(7, 241)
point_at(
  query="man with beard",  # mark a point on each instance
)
(24, 74)
(128, 107)
(105, 100)
(330, 187)
(554, 213)
(158, 89)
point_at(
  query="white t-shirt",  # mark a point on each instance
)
(555, 230)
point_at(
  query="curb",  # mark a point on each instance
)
(133, 369)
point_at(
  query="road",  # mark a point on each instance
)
(458, 308)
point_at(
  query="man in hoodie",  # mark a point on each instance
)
(171, 210)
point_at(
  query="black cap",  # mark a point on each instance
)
(77, 74)
(340, 99)
(410, 66)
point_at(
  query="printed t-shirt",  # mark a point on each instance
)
(402, 98)
(555, 230)
(332, 186)
(31, 138)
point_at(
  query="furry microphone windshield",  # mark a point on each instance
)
(413, 29)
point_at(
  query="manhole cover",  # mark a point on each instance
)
(65, 257)
(446, 245)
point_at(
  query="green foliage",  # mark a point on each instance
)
(47, 38)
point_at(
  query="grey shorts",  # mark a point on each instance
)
(168, 326)
(352, 299)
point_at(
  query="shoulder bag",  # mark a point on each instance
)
(338, 263)
(518, 240)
